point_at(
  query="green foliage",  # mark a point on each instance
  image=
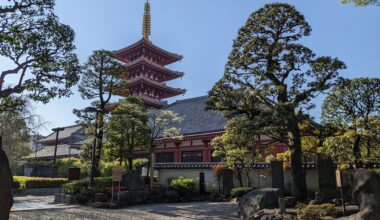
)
(183, 185)
(15, 133)
(240, 191)
(235, 146)
(127, 131)
(84, 196)
(361, 2)
(76, 186)
(41, 49)
(39, 182)
(377, 170)
(102, 77)
(352, 109)
(65, 164)
(315, 212)
(139, 163)
(264, 82)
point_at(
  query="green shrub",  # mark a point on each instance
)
(26, 182)
(84, 195)
(240, 191)
(183, 185)
(315, 212)
(377, 170)
(63, 166)
(76, 186)
(139, 163)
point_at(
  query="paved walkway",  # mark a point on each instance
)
(197, 210)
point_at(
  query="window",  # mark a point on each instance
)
(165, 157)
(192, 156)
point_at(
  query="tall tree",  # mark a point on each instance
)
(162, 123)
(43, 65)
(353, 107)
(269, 68)
(127, 130)
(102, 77)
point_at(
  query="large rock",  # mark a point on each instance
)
(134, 197)
(257, 200)
(367, 193)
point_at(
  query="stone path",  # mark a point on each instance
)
(197, 210)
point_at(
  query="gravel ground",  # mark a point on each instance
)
(196, 210)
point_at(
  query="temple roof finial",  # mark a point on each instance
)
(146, 21)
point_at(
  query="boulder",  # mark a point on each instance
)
(134, 197)
(367, 193)
(100, 197)
(172, 195)
(258, 199)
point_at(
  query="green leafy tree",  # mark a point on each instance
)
(102, 77)
(270, 78)
(127, 130)
(353, 108)
(161, 123)
(361, 2)
(43, 65)
(235, 146)
(15, 130)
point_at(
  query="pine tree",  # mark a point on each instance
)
(270, 78)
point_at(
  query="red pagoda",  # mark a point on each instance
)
(147, 73)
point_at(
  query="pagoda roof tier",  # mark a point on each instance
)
(169, 74)
(142, 80)
(145, 45)
(150, 102)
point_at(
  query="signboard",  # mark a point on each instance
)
(338, 178)
(117, 173)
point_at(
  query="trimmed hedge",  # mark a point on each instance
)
(240, 191)
(183, 185)
(77, 186)
(26, 182)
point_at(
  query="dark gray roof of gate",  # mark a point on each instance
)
(196, 119)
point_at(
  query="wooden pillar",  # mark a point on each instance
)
(206, 151)
(177, 154)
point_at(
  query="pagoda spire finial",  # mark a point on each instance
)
(146, 21)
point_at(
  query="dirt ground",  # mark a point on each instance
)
(196, 210)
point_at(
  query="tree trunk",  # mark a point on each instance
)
(239, 176)
(130, 164)
(6, 180)
(298, 174)
(248, 178)
(356, 150)
(368, 148)
(99, 144)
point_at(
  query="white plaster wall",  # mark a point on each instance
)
(260, 178)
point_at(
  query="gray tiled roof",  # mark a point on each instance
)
(48, 152)
(62, 134)
(196, 118)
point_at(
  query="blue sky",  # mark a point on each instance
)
(202, 31)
